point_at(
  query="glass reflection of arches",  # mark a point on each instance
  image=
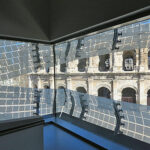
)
(129, 60)
(81, 90)
(83, 101)
(46, 87)
(148, 97)
(62, 90)
(35, 86)
(61, 87)
(63, 67)
(129, 95)
(61, 95)
(104, 92)
(104, 63)
(82, 65)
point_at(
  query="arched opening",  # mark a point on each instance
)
(129, 95)
(148, 97)
(61, 94)
(63, 67)
(83, 100)
(35, 86)
(104, 62)
(82, 65)
(149, 60)
(104, 92)
(81, 90)
(46, 87)
(129, 60)
(61, 87)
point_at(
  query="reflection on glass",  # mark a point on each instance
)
(102, 71)
(102, 79)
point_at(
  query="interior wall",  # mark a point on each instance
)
(24, 19)
(51, 19)
(68, 16)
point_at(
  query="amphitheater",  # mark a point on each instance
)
(123, 75)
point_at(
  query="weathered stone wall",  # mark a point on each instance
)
(115, 79)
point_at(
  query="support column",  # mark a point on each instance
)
(90, 65)
(110, 61)
(117, 60)
(112, 90)
(136, 68)
(90, 86)
(69, 83)
(143, 93)
(30, 82)
(116, 95)
(144, 59)
(52, 82)
(68, 69)
(95, 64)
(74, 66)
(57, 67)
(39, 83)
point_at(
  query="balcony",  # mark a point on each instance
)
(80, 93)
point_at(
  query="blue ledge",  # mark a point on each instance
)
(87, 135)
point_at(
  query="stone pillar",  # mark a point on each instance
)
(110, 61)
(95, 64)
(90, 65)
(112, 90)
(143, 92)
(68, 69)
(116, 94)
(51, 71)
(69, 83)
(73, 66)
(118, 62)
(90, 86)
(144, 59)
(39, 83)
(57, 67)
(136, 68)
(138, 91)
(52, 82)
(30, 82)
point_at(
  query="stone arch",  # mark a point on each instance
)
(104, 92)
(63, 67)
(103, 85)
(125, 86)
(82, 64)
(146, 89)
(83, 100)
(129, 95)
(61, 93)
(104, 62)
(35, 86)
(46, 87)
(129, 60)
(81, 89)
(60, 85)
(80, 85)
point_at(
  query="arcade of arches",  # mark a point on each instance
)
(126, 73)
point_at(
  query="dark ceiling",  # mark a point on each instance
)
(47, 20)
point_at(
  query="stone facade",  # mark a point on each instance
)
(115, 78)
